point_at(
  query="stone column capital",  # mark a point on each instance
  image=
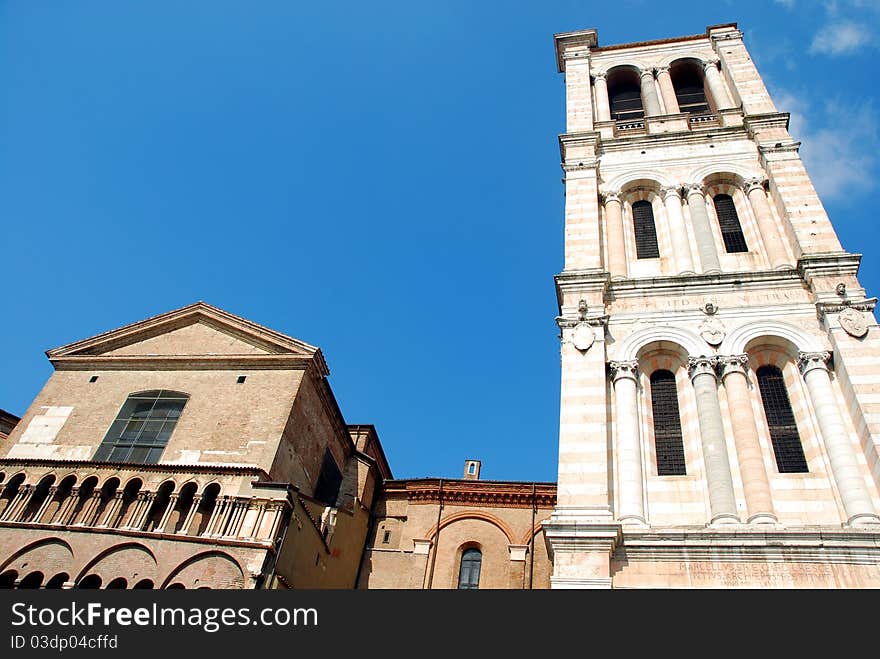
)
(753, 183)
(672, 190)
(728, 364)
(711, 63)
(624, 370)
(649, 72)
(808, 361)
(694, 188)
(701, 365)
(660, 70)
(518, 552)
(603, 76)
(610, 195)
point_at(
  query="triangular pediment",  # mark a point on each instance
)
(197, 330)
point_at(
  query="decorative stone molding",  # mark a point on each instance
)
(867, 304)
(751, 183)
(624, 369)
(658, 70)
(674, 190)
(694, 188)
(479, 493)
(701, 365)
(602, 75)
(732, 364)
(610, 195)
(807, 361)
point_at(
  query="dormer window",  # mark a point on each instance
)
(142, 428)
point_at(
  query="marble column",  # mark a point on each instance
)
(716, 85)
(702, 229)
(722, 501)
(756, 485)
(614, 238)
(770, 236)
(603, 106)
(628, 447)
(841, 454)
(681, 249)
(649, 93)
(667, 90)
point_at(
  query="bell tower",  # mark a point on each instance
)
(719, 358)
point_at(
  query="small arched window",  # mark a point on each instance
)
(645, 230)
(787, 446)
(668, 442)
(625, 95)
(469, 572)
(142, 427)
(728, 220)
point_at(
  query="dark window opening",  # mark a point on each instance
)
(329, 480)
(625, 96)
(645, 230)
(142, 427)
(386, 537)
(728, 220)
(241, 379)
(94, 378)
(469, 572)
(668, 442)
(689, 90)
(787, 446)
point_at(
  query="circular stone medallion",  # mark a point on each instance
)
(853, 323)
(583, 337)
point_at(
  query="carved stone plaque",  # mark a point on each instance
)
(853, 323)
(583, 337)
(712, 331)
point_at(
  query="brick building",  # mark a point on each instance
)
(719, 413)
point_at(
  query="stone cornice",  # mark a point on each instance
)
(171, 467)
(573, 44)
(828, 264)
(182, 362)
(752, 544)
(672, 139)
(767, 121)
(504, 494)
(703, 284)
(867, 304)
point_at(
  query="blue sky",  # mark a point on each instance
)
(379, 179)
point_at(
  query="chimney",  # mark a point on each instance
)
(472, 470)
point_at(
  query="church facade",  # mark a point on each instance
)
(719, 412)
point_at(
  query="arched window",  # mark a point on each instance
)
(728, 220)
(645, 230)
(32, 581)
(687, 79)
(7, 579)
(668, 443)
(142, 427)
(57, 581)
(90, 581)
(469, 572)
(784, 435)
(625, 95)
(119, 583)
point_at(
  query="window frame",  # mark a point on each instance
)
(138, 448)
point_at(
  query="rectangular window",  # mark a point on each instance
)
(142, 428)
(329, 480)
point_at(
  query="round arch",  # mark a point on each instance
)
(736, 341)
(48, 551)
(727, 170)
(472, 514)
(692, 344)
(226, 569)
(138, 555)
(622, 182)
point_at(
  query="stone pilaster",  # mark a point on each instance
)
(681, 249)
(667, 90)
(770, 236)
(615, 242)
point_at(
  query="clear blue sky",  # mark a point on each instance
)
(379, 179)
